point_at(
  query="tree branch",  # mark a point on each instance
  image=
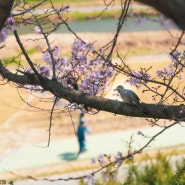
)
(99, 103)
(174, 9)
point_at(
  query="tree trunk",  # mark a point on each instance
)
(5, 9)
(174, 9)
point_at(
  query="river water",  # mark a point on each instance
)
(109, 26)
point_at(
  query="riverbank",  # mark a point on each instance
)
(90, 10)
(130, 44)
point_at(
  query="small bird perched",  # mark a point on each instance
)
(129, 97)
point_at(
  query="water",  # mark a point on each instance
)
(108, 26)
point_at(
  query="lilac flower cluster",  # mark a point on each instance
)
(9, 26)
(177, 62)
(89, 179)
(117, 159)
(101, 159)
(137, 78)
(90, 75)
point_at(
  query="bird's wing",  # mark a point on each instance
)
(134, 95)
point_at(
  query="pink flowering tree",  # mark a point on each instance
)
(79, 80)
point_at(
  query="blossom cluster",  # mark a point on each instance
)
(107, 173)
(177, 63)
(176, 66)
(9, 26)
(89, 179)
(137, 78)
(79, 71)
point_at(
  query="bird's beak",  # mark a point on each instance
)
(115, 89)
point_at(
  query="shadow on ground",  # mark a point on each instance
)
(68, 156)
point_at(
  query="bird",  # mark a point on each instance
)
(129, 96)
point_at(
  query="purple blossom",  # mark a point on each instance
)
(131, 155)
(44, 71)
(89, 179)
(101, 159)
(139, 132)
(109, 72)
(90, 75)
(93, 160)
(10, 23)
(118, 156)
(10, 20)
(9, 26)
(92, 83)
(47, 57)
(168, 73)
(55, 51)
(138, 77)
(175, 55)
(165, 72)
(78, 46)
(61, 63)
(105, 176)
(3, 34)
(82, 69)
(159, 74)
(29, 70)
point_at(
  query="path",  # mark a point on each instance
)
(109, 143)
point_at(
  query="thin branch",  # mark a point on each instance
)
(159, 133)
(51, 117)
(28, 9)
(25, 54)
(122, 19)
(72, 122)
(48, 45)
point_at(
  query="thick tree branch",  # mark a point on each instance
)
(5, 8)
(174, 9)
(98, 103)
